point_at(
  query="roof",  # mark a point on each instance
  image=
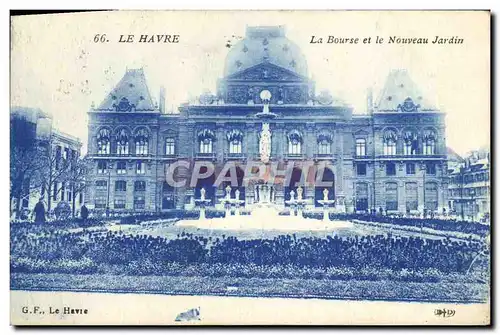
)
(453, 156)
(65, 137)
(131, 92)
(28, 113)
(400, 93)
(265, 44)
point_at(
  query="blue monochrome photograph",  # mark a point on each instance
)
(214, 168)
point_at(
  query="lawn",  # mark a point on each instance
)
(256, 287)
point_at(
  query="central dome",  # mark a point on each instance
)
(265, 45)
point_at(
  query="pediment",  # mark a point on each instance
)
(266, 72)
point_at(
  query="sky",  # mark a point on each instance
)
(56, 65)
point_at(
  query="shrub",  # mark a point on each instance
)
(62, 211)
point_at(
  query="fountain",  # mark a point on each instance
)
(296, 204)
(326, 206)
(202, 203)
(264, 213)
(230, 203)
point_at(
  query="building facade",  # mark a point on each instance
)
(469, 186)
(31, 127)
(393, 157)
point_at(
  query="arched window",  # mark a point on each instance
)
(103, 142)
(325, 143)
(122, 144)
(360, 147)
(294, 143)
(141, 142)
(170, 146)
(429, 142)
(235, 139)
(206, 138)
(410, 145)
(390, 139)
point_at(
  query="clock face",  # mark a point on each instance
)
(265, 95)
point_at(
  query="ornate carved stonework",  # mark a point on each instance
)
(266, 72)
(408, 106)
(124, 106)
(265, 143)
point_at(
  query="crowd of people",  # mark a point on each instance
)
(381, 251)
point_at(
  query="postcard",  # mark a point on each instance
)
(250, 168)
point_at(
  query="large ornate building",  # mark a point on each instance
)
(393, 157)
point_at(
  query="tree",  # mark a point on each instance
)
(26, 170)
(75, 177)
(55, 171)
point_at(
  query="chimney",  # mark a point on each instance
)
(162, 100)
(369, 100)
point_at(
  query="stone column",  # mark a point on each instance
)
(219, 162)
(186, 148)
(221, 142)
(310, 140)
(279, 138)
(252, 140)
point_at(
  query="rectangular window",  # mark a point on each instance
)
(139, 202)
(121, 167)
(140, 186)
(391, 196)
(80, 198)
(102, 167)
(411, 193)
(431, 196)
(361, 196)
(119, 203)
(430, 168)
(170, 146)
(66, 154)
(120, 186)
(101, 185)
(140, 168)
(62, 191)
(390, 169)
(100, 202)
(360, 147)
(361, 169)
(410, 168)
